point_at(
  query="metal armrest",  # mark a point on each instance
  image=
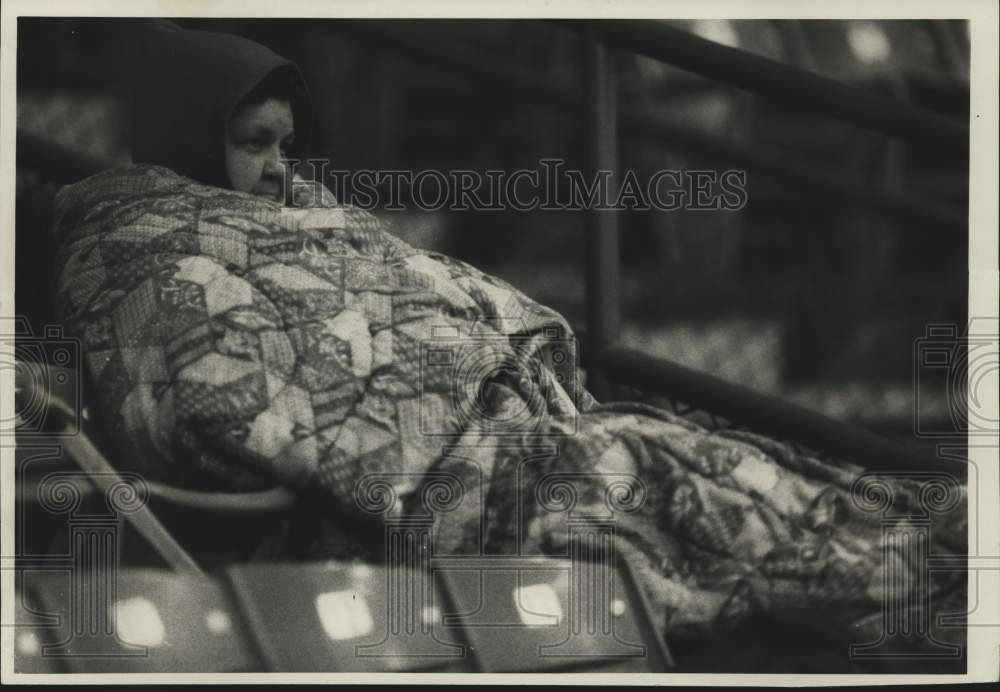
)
(62, 422)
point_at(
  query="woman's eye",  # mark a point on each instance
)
(254, 143)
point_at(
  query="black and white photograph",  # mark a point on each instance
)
(534, 341)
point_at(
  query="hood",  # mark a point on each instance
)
(187, 86)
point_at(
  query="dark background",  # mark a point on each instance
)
(802, 294)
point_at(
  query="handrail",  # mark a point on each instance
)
(767, 414)
(800, 88)
(276, 500)
(639, 122)
(805, 175)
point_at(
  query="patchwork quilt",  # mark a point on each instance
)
(236, 343)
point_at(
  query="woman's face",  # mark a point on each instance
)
(256, 142)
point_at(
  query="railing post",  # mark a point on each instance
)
(603, 301)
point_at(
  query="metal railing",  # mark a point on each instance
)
(776, 80)
(763, 413)
(769, 78)
(637, 122)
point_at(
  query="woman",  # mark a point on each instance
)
(219, 109)
(236, 339)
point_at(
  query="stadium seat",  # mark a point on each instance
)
(137, 621)
(346, 617)
(549, 615)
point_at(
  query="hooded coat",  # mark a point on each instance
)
(190, 84)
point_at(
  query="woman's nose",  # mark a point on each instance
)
(276, 157)
(275, 163)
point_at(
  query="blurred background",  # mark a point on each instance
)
(815, 292)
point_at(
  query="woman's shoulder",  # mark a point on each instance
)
(118, 182)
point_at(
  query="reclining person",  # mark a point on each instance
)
(235, 341)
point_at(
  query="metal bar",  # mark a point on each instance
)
(835, 189)
(766, 414)
(103, 475)
(603, 266)
(219, 504)
(799, 52)
(799, 88)
(948, 49)
(640, 123)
